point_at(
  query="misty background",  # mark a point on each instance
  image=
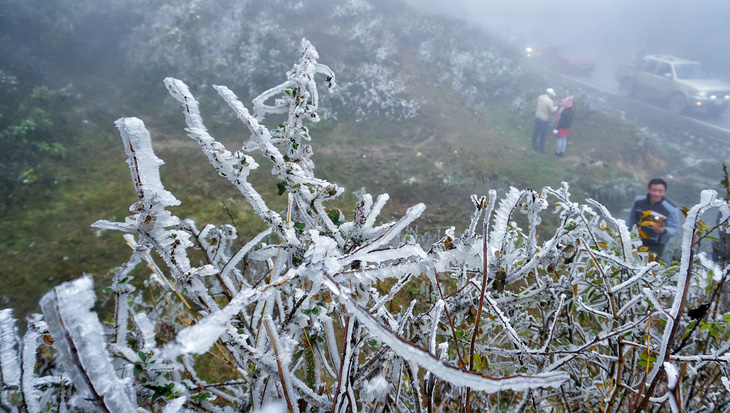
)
(610, 31)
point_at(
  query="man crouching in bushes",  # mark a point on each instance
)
(656, 216)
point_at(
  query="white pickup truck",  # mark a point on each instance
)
(681, 83)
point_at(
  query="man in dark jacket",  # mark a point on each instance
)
(656, 216)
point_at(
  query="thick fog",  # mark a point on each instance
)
(611, 31)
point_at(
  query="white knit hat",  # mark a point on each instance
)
(550, 91)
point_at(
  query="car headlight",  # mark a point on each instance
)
(701, 94)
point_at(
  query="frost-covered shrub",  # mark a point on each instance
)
(309, 315)
(353, 8)
(249, 45)
(375, 91)
(206, 38)
(476, 65)
(372, 81)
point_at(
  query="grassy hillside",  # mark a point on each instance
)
(438, 158)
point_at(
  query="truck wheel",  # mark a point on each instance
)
(627, 87)
(677, 103)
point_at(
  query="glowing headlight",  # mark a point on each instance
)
(702, 93)
(727, 96)
(713, 97)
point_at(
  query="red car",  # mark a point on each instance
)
(562, 60)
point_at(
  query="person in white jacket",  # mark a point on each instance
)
(545, 107)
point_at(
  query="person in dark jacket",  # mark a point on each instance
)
(656, 216)
(563, 121)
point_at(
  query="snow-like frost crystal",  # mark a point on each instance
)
(82, 346)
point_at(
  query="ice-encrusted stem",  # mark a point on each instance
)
(341, 396)
(282, 364)
(80, 340)
(233, 166)
(485, 275)
(31, 342)
(707, 200)
(423, 358)
(9, 360)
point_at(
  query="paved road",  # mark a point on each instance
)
(694, 146)
(603, 78)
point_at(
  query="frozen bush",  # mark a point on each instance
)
(315, 320)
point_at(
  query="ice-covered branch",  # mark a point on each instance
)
(434, 365)
(79, 337)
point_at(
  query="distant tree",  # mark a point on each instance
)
(28, 135)
(309, 315)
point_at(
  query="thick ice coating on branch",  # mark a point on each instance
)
(453, 375)
(82, 347)
(9, 363)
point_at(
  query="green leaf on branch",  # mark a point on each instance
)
(201, 396)
(478, 361)
(334, 215)
(282, 187)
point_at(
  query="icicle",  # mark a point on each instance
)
(238, 256)
(331, 341)
(672, 378)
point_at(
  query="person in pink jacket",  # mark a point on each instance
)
(563, 120)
